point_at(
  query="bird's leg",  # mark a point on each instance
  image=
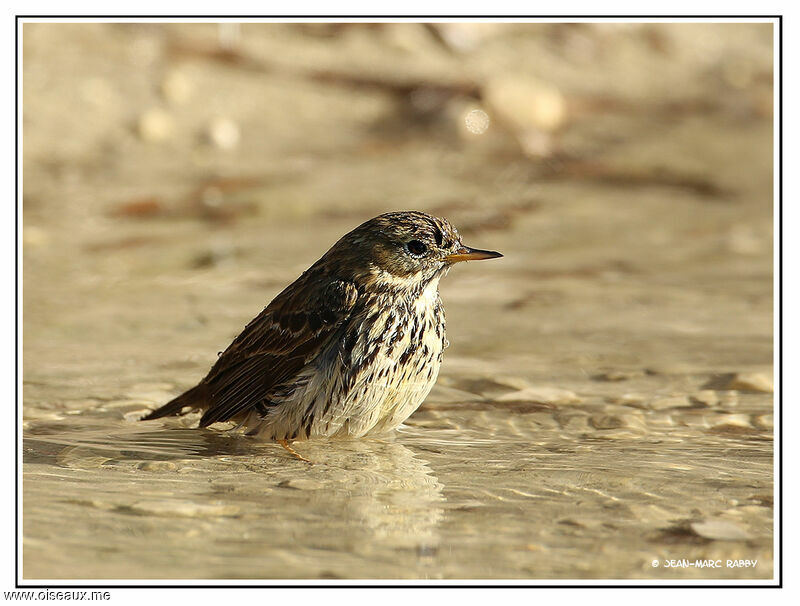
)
(285, 444)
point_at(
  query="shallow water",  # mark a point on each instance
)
(533, 500)
(588, 419)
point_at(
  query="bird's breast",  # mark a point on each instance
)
(400, 329)
(390, 358)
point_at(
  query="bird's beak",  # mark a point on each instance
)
(465, 253)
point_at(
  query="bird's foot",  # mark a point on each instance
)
(285, 444)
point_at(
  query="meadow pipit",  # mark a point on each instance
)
(352, 347)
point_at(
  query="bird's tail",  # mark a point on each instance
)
(192, 398)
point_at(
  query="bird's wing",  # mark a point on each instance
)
(276, 345)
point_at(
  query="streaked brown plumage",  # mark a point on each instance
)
(352, 347)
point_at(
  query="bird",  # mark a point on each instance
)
(349, 349)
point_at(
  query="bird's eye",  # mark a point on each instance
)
(416, 248)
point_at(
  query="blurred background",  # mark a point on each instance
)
(178, 176)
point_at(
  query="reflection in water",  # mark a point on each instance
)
(271, 516)
(390, 493)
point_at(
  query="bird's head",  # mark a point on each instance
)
(405, 248)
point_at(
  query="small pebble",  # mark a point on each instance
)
(462, 37)
(155, 126)
(721, 530)
(476, 121)
(224, 133)
(751, 381)
(526, 103)
(735, 420)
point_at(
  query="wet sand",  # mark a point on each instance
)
(606, 401)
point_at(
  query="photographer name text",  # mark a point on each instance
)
(709, 563)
